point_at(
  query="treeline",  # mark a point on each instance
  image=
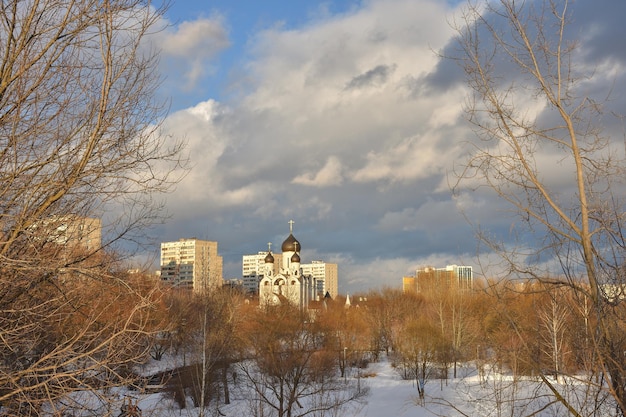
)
(289, 357)
(79, 333)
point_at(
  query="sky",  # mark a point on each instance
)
(340, 116)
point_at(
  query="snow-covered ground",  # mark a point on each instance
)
(390, 396)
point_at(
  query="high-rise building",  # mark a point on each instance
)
(71, 231)
(325, 275)
(452, 276)
(191, 263)
(252, 271)
(409, 284)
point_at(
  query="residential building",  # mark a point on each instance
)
(71, 231)
(191, 263)
(325, 275)
(452, 276)
(252, 270)
(409, 284)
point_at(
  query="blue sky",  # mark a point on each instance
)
(340, 116)
(242, 19)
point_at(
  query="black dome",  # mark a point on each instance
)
(269, 259)
(291, 244)
(295, 258)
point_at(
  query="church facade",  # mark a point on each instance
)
(288, 284)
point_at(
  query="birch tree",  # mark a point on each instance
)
(554, 319)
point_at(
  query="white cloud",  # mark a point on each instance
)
(202, 37)
(205, 145)
(411, 159)
(341, 125)
(324, 111)
(328, 175)
(385, 272)
(189, 47)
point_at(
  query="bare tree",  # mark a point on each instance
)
(349, 332)
(79, 141)
(292, 368)
(420, 352)
(385, 311)
(553, 318)
(216, 339)
(531, 108)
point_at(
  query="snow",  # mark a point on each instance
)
(389, 396)
(491, 394)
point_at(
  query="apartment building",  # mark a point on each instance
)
(252, 271)
(452, 276)
(325, 275)
(71, 231)
(191, 263)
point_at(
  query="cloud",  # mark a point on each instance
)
(328, 175)
(189, 47)
(202, 37)
(374, 77)
(431, 214)
(323, 117)
(409, 160)
(202, 128)
(351, 125)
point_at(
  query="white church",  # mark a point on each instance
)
(288, 285)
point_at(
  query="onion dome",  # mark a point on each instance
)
(291, 244)
(295, 258)
(269, 259)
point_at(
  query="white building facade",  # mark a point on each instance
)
(325, 275)
(253, 267)
(191, 263)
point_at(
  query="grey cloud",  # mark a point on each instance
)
(603, 29)
(356, 150)
(288, 149)
(447, 75)
(374, 77)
